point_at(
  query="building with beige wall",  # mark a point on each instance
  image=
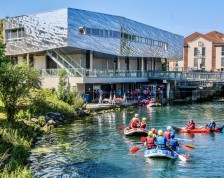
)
(203, 52)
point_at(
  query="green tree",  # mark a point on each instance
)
(15, 83)
(62, 85)
(1, 30)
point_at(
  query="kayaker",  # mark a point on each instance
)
(143, 123)
(150, 141)
(161, 141)
(134, 123)
(173, 142)
(191, 124)
(167, 133)
(211, 125)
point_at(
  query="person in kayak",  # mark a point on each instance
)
(150, 141)
(143, 124)
(190, 125)
(167, 133)
(161, 141)
(173, 145)
(211, 125)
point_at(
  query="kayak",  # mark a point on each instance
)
(197, 130)
(157, 153)
(135, 132)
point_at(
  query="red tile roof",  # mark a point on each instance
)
(214, 36)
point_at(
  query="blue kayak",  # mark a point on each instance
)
(157, 153)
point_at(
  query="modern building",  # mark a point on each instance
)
(99, 51)
(204, 52)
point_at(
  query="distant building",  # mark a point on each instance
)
(99, 51)
(204, 52)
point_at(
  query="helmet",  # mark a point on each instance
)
(169, 128)
(144, 119)
(191, 121)
(136, 115)
(134, 119)
(150, 133)
(172, 135)
(212, 121)
(153, 130)
(160, 132)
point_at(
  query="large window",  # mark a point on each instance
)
(195, 51)
(203, 51)
(222, 62)
(14, 34)
(117, 34)
(222, 51)
(195, 62)
(203, 62)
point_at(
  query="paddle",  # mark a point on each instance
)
(184, 139)
(134, 150)
(121, 127)
(143, 139)
(191, 147)
(181, 157)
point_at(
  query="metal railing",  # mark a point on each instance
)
(168, 75)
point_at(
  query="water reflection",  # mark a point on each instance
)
(94, 147)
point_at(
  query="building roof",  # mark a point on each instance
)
(213, 36)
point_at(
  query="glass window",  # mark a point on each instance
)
(133, 37)
(195, 51)
(203, 51)
(203, 62)
(222, 51)
(195, 62)
(101, 33)
(116, 34)
(149, 41)
(222, 62)
(82, 30)
(122, 35)
(111, 33)
(14, 33)
(137, 39)
(88, 31)
(166, 46)
(156, 43)
(95, 32)
(125, 36)
(106, 32)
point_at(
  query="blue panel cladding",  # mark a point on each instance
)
(121, 47)
(43, 31)
(80, 18)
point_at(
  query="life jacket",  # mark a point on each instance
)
(143, 125)
(134, 125)
(191, 125)
(167, 134)
(173, 144)
(150, 142)
(161, 142)
(211, 126)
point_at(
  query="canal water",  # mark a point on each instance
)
(94, 147)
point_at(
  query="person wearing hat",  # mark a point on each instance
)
(161, 141)
(134, 123)
(167, 133)
(143, 124)
(154, 131)
(150, 141)
(211, 125)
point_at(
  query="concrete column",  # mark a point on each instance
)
(168, 90)
(91, 59)
(28, 58)
(142, 67)
(118, 63)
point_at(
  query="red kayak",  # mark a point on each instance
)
(197, 130)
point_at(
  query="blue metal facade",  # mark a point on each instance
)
(90, 31)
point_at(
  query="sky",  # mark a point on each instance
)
(182, 17)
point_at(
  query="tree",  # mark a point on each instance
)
(1, 30)
(15, 83)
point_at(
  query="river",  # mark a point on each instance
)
(94, 147)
